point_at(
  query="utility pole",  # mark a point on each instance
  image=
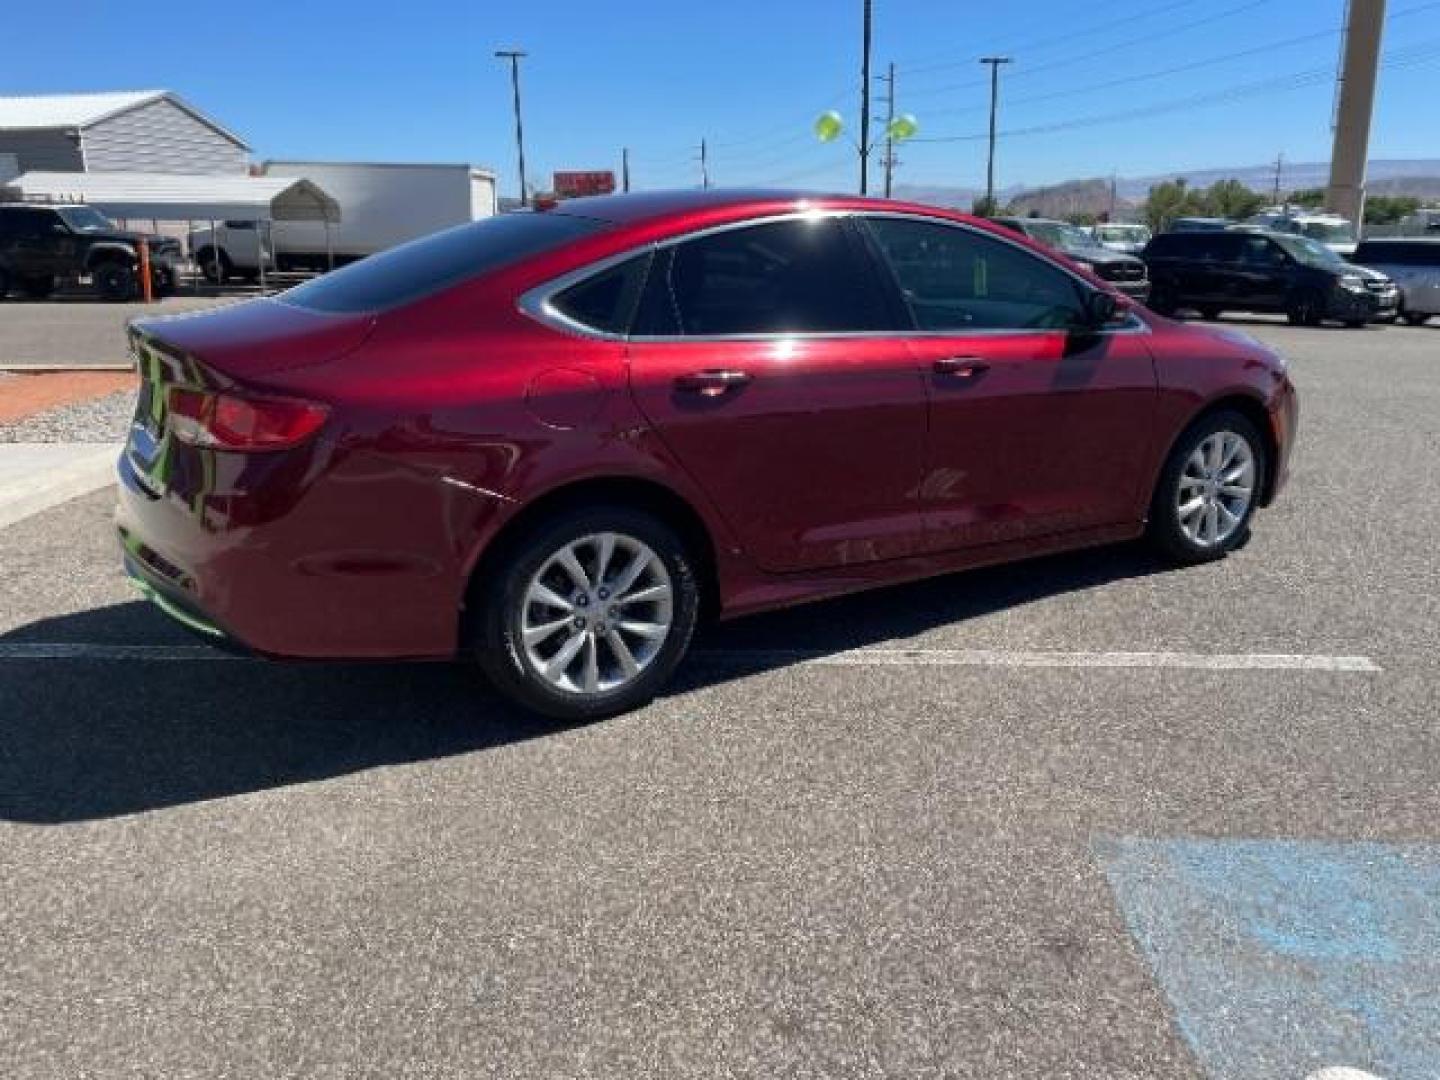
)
(625, 168)
(1359, 72)
(1113, 182)
(889, 80)
(865, 102)
(994, 62)
(704, 165)
(515, 56)
(1279, 166)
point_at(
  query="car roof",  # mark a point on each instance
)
(1376, 240)
(645, 206)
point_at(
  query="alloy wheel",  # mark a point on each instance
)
(1216, 488)
(596, 614)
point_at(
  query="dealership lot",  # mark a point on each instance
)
(1082, 816)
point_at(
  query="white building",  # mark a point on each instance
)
(143, 131)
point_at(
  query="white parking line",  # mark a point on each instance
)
(1007, 658)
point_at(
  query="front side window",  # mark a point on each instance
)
(801, 275)
(86, 219)
(954, 278)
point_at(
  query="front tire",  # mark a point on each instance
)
(1208, 489)
(588, 613)
(116, 281)
(1305, 309)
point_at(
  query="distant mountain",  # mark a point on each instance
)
(1420, 177)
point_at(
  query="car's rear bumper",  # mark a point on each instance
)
(323, 577)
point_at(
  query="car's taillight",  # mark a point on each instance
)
(232, 422)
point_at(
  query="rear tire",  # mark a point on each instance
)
(4, 283)
(116, 281)
(1305, 309)
(577, 650)
(206, 259)
(1208, 489)
(1355, 324)
(1415, 318)
(1210, 312)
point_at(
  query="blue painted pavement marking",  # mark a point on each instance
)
(1283, 958)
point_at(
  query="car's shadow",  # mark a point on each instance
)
(88, 738)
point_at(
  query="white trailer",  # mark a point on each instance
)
(381, 205)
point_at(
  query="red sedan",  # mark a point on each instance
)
(551, 440)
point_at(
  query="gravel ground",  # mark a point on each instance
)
(104, 419)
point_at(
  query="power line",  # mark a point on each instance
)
(1034, 45)
(1116, 46)
(1422, 52)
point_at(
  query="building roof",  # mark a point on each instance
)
(168, 197)
(40, 112)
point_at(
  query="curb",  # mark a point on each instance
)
(36, 476)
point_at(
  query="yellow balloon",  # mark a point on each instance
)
(828, 126)
(903, 127)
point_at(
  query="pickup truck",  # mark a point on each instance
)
(43, 246)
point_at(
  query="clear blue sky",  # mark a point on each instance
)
(370, 80)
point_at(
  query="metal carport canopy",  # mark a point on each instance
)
(172, 197)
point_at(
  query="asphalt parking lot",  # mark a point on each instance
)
(957, 828)
(75, 331)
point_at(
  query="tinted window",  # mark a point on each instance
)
(1166, 244)
(957, 279)
(796, 276)
(428, 265)
(1398, 253)
(31, 224)
(1258, 251)
(606, 301)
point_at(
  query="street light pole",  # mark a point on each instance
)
(994, 62)
(514, 56)
(865, 103)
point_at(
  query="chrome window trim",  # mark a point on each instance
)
(536, 301)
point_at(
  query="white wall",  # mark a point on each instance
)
(160, 137)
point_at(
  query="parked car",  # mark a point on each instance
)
(550, 440)
(1414, 264)
(1127, 236)
(381, 205)
(1250, 270)
(43, 246)
(1200, 224)
(1332, 230)
(1124, 272)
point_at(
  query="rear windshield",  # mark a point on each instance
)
(432, 263)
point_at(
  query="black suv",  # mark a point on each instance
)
(1124, 272)
(1250, 270)
(42, 246)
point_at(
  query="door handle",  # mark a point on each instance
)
(960, 367)
(712, 384)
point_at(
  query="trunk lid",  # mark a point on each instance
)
(255, 338)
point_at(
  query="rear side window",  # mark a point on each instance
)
(957, 279)
(606, 301)
(804, 275)
(426, 266)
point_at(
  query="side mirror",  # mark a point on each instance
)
(1101, 310)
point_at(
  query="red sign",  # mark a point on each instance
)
(570, 185)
